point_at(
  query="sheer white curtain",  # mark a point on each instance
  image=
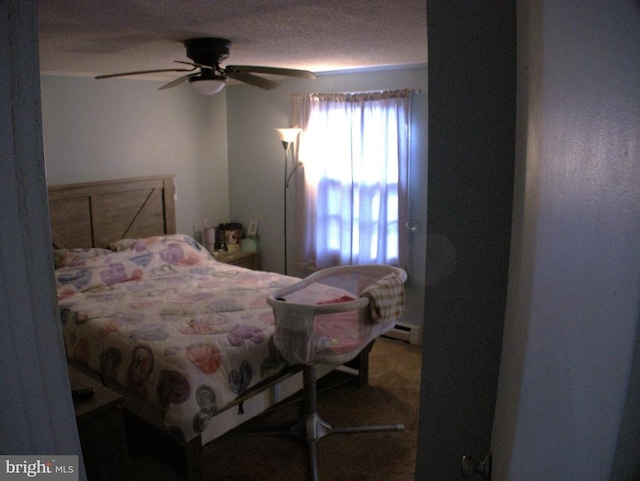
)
(351, 194)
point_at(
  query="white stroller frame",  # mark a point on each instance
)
(299, 343)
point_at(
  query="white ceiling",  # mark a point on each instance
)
(95, 37)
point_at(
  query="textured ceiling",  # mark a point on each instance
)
(97, 37)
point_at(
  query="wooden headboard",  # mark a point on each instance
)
(94, 214)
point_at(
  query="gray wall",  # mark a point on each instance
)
(116, 128)
(568, 405)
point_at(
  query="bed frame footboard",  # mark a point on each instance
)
(146, 431)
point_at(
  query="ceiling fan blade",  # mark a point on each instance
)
(141, 72)
(251, 79)
(194, 64)
(176, 82)
(288, 72)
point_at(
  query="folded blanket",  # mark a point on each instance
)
(386, 298)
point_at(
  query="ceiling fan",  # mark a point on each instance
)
(209, 77)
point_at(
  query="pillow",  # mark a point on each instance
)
(174, 249)
(122, 244)
(77, 256)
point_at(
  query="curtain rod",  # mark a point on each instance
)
(363, 93)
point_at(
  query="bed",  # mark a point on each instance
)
(186, 339)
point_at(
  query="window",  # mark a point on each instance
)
(352, 191)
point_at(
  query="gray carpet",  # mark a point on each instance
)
(391, 397)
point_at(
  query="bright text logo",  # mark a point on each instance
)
(49, 468)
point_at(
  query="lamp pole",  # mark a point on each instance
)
(287, 137)
(286, 151)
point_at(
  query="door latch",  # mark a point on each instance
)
(471, 467)
(412, 226)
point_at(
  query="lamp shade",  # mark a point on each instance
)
(206, 86)
(288, 135)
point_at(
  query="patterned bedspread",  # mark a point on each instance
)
(162, 318)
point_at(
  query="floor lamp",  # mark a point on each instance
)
(287, 137)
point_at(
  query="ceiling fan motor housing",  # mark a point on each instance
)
(207, 51)
(208, 74)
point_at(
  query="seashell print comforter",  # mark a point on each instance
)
(161, 317)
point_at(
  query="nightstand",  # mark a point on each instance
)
(101, 429)
(248, 259)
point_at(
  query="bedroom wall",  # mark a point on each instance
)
(124, 127)
(110, 129)
(569, 392)
(256, 161)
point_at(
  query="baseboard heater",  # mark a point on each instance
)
(406, 332)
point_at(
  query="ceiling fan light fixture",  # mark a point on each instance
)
(207, 86)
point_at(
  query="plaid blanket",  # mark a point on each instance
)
(386, 298)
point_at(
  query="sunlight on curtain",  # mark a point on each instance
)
(352, 193)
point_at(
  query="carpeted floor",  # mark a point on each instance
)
(391, 397)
